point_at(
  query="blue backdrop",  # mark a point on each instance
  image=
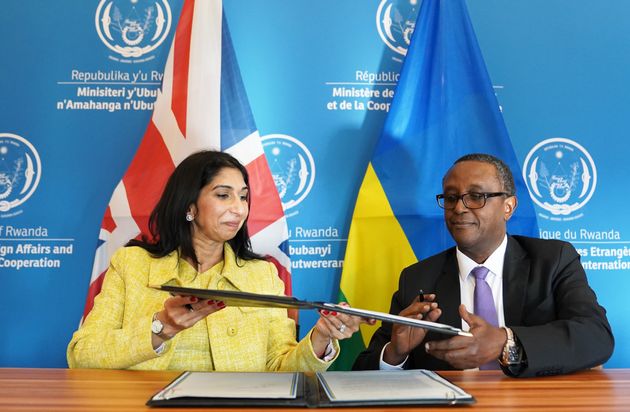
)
(76, 97)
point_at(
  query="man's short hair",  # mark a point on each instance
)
(503, 171)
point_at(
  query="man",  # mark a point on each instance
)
(537, 314)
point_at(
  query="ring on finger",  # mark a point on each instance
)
(342, 328)
(189, 307)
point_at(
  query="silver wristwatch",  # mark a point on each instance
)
(157, 327)
(512, 353)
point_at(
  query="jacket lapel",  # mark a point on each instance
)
(447, 291)
(515, 280)
(164, 270)
(238, 276)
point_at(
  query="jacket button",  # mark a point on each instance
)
(231, 331)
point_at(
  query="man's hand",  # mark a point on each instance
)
(406, 338)
(464, 352)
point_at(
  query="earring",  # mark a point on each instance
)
(190, 217)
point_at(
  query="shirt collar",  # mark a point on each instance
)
(494, 262)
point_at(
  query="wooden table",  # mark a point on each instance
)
(45, 390)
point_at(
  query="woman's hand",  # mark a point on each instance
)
(182, 312)
(334, 325)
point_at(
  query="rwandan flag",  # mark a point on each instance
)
(444, 107)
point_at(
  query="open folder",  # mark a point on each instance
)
(323, 389)
(246, 299)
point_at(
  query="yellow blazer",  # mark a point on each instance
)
(117, 332)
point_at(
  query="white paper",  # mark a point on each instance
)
(389, 385)
(247, 385)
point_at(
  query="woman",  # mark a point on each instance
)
(200, 240)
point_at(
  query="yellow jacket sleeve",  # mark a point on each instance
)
(104, 340)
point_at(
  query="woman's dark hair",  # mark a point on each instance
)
(168, 225)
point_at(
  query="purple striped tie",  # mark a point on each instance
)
(484, 304)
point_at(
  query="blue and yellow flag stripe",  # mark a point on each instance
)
(371, 267)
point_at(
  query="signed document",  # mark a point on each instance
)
(252, 385)
(246, 299)
(375, 386)
(299, 389)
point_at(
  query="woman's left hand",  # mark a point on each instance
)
(335, 325)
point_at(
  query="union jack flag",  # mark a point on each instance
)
(202, 105)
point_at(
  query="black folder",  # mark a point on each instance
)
(246, 299)
(316, 390)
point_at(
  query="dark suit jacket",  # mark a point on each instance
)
(546, 299)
